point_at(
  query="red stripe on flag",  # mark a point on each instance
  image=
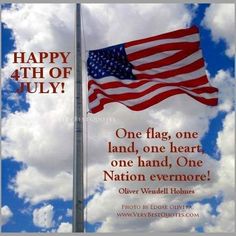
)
(186, 46)
(137, 94)
(189, 83)
(174, 34)
(156, 99)
(167, 74)
(167, 61)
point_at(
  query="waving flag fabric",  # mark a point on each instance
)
(144, 72)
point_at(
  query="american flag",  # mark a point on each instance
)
(144, 72)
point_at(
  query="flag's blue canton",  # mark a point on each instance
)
(110, 61)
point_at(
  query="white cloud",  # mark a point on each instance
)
(224, 222)
(48, 115)
(176, 113)
(43, 136)
(68, 212)
(187, 223)
(225, 143)
(227, 148)
(64, 227)
(44, 187)
(6, 214)
(225, 82)
(219, 18)
(60, 218)
(47, 151)
(43, 217)
(117, 23)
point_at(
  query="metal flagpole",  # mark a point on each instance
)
(78, 195)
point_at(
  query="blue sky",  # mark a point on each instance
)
(21, 220)
(22, 216)
(214, 54)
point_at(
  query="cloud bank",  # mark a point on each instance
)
(6, 215)
(219, 19)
